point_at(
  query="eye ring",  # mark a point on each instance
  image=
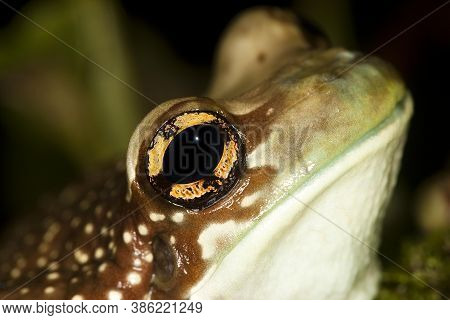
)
(195, 158)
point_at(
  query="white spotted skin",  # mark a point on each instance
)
(114, 295)
(156, 217)
(214, 233)
(76, 251)
(178, 217)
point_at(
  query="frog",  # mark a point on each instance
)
(271, 186)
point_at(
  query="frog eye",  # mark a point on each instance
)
(195, 158)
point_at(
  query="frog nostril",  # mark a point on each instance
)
(164, 260)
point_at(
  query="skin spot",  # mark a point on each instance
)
(142, 229)
(214, 234)
(88, 228)
(77, 297)
(75, 267)
(74, 280)
(68, 245)
(53, 276)
(53, 254)
(48, 236)
(99, 253)
(49, 290)
(15, 273)
(111, 233)
(134, 278)
(112, 245)
(21, 263)
(98, 210)
(172, 240)
(102, 267)
(155, 217)
(55, 227)
(53, 266)
(114, 295)
(81, 256)
(148, 257)
(43, 247)
(249, 200)
(109, 214)
(51, 232)
(178, 217)
(137, 262)
(127, 237)
(24, 291)
(41, 262)
(104, 231)
(75, 222)
(84, 205)
(86, 268)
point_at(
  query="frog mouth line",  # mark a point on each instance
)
(391, 128)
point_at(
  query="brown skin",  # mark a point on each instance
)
(46, 246)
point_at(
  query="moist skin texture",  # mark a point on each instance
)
(323, 134)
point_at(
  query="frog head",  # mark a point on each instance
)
(273, 186)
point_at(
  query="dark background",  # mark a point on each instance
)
(34, 164)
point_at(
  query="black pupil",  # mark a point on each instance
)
(193, 154)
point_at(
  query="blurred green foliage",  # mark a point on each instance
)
(428, 259)
(83, 109)
(61, 113)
